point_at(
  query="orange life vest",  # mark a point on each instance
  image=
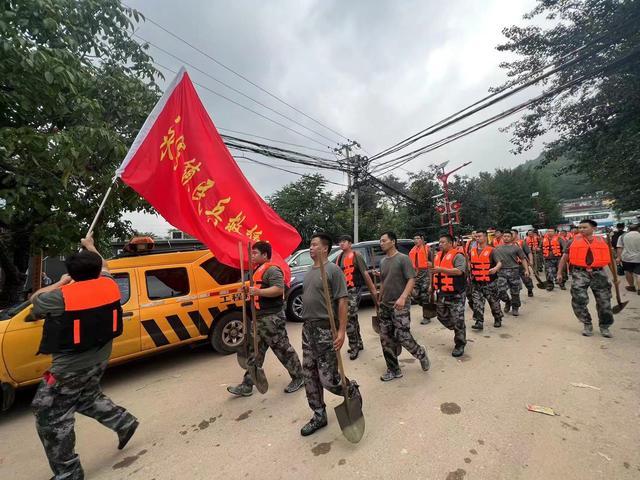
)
(533, 241)
(481, 264)
(497, 242)
(348, 267)
(92, 317)
(420, 257)
(580, 247)
(551, 246)
(447, 284)
(265, 302)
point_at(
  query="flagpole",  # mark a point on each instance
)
(104, 201)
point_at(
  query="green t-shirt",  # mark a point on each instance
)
(395, 272)
(272, 277)
(313, 304)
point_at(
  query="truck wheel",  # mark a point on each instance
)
(294, 306)
(227, 333)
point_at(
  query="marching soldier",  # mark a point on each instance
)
(268, 298)
(319, 359)
(588, 256)
(420, 259)
(356, 275)
(82, 317)
(552, 247)
(526, 279)
(397, 278)
(511, 256)
(484, 269)
(497, 238)
(533, 242)
(449, 282)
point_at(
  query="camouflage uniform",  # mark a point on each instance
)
(486, 291)
(421, 288)
(273, 333)
(509, 280)
(395, 329)
(526, 279)
(319, 364)
(601, 288)
(450, 310)
(353, 326)
(551, 267)
(54, 406)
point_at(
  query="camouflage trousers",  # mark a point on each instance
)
(551, 268)
(319, 364)
(450, 310)
(353, 326)
(526, 279)
(489, 292)
(55, 404)
(272, 333)
(509, 282)
(601, 288)
(421, 289)
(395, 329)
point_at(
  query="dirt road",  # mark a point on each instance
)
(464, 419)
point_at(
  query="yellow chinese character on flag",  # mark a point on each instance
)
(215, 212)
(201, 190)
(190, 169)
(254, 234)
(234, 224)
(168, 142)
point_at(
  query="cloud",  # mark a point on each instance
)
(373, 71)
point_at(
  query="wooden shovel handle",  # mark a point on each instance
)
(332, 320)
(251, 304)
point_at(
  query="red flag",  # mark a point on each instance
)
(180, 165)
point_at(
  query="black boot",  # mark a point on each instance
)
(530, 293)
(477, 326)
(458, 351)
(507, 307)
(125, 435)
(318, 421)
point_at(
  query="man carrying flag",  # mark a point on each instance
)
(268, 297)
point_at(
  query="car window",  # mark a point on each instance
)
(220, 272)
(365, 254)
(303, 259)
(167, 283)
(377, 253)
(405, 247)
(124, 284)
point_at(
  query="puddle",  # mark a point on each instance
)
(450, 408)
(321, 448)
(244, 416)
(127, 461)
(505, 335)
(459, 474)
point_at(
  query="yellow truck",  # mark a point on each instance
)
(168, 299)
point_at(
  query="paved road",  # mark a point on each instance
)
(465, 419)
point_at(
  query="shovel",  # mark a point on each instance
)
(243, 353)
(255, 372)
(620, 306)
(349, 412)
(430, 308)
(540, 284)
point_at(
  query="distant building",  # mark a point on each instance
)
(596, 207)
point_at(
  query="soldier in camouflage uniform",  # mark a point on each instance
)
(449, 272)
(511, 257)
(355, 271)
(72, 383)
(267, 296)
(552, 247)
(588, 257)
(420, 259)
(483, 268)
(319, 346)
(396, 283)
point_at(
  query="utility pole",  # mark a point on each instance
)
(353, 165)
(444, 178)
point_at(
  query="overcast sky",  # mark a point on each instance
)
(374, 71)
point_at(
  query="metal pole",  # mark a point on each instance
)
(355, 215)
(104, 201)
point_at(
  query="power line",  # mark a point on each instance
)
(245, 107)
(229, 69)
(460, 115)
(239, 92)
(283, 169)
(272, 140)
(403, 159)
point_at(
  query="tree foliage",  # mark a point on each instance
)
(74, 90)
(597, 120)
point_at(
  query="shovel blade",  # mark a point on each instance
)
(242, 359)
(541, 285)
(619, 307)
(351, 419)
(430, 310)
(375, 323)
(259, 379)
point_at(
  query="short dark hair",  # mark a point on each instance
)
(325, 239)
(419, 234)
(84, 265)
(481, 231)
(498, 230)
(263, 247)
(593, 223)
(447, 236)
(513, 230)
(392, 236)
(345, 238)
(551, 228)
(618, 225)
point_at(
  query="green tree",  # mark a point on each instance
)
(598, 120)
(74, 90)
